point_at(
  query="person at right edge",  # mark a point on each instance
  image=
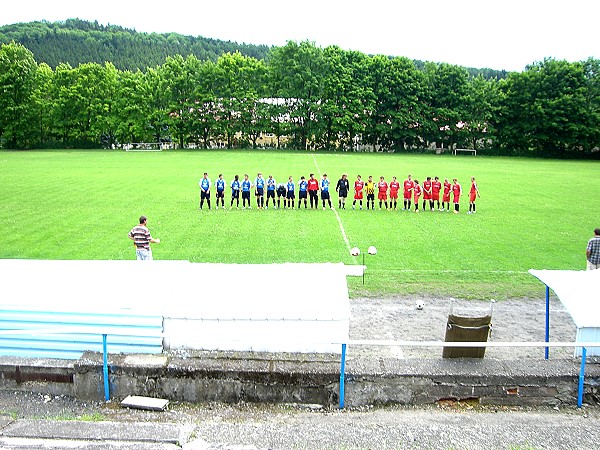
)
(592, 252)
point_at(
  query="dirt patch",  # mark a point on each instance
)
(397, 318)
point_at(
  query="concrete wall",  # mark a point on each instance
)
(210, 376)
(300, 378)
(46, 376)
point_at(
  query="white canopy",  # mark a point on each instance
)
(578, 291)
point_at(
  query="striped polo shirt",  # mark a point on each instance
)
(141, 237)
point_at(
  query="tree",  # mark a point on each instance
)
(397, 115)
(179, 77)
(296, 72)
(346, 98)
(42, 105)
(548, 109)
(106, 122)
(64, 108)
(129, 113)
(238, 86)
(482, 108)
(83, 102)
(591, 69)
(448, 100)
(207, 109)
(18, 71)
(155, 105)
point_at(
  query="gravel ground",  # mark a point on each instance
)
(397, 318)
(442, 426)
(449, 425)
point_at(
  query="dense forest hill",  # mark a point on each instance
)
(76, 41)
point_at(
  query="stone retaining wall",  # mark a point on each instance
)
(308, 379)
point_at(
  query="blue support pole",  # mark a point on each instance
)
(343, 376)
(581, 377)
(547, 321)
(105, 368)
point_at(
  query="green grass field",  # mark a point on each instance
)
(531, 214)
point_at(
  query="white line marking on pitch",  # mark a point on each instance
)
(459, 271)
(335, 211)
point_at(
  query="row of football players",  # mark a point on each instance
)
(308, 189)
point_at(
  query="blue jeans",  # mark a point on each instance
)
(143, 254)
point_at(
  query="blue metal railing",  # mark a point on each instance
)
(344, 347)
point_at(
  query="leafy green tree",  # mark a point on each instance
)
(64, 108)
(83, 102)
(448, 100)
(238, 86)
(478, 130)
(256, 119)
(106, 123)
(591, 69)
(156, 105)
(18, 71)
(296, 72)
(129, 114)
(399, 111)
(547, 109)
(277, 109)
(42, 105)
(323, 98)
(207, 109)
(346, 98)
(179, 78)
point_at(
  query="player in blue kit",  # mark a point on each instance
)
(204, 184)
(271, 187)
(259, 185)
(220, 186)
(291, 193)
(325, 191)
(303, 192)
(246, 188)
(236, 186)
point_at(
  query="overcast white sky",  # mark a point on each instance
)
(499, 34)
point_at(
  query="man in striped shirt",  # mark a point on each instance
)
(140, 235)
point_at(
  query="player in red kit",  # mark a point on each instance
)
(473, 194)
(418, 191)
(394, 188)
(427, 193)
(408, 186)
(456, 191)
(436, 186)
(446, 196)
(358, 191)
(313, 191)
(382, 187)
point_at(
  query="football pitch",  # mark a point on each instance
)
(532, 214)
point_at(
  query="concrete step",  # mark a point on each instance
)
(54, 434)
